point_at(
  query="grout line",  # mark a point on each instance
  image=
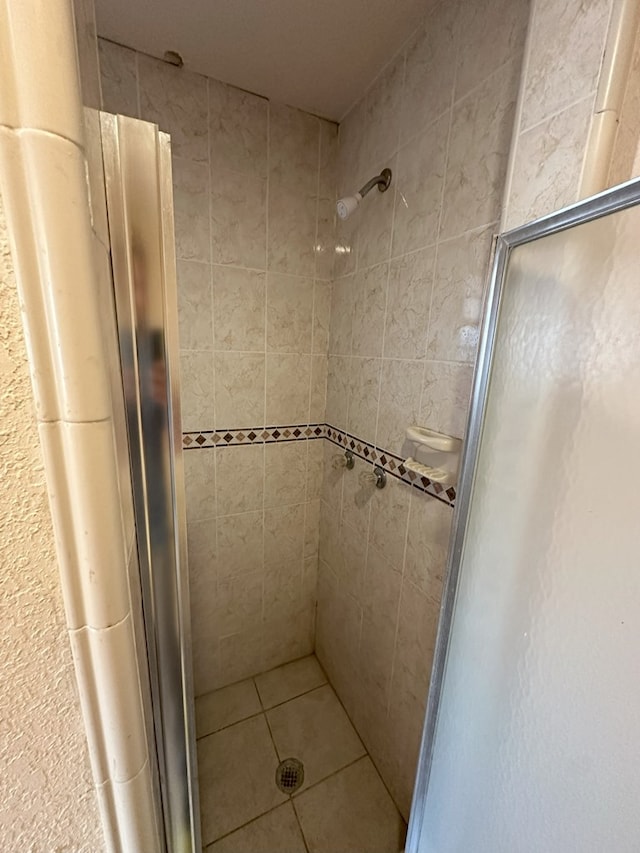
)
(242, 826)
(299, 822)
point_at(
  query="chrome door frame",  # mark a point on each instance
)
(138, 179)
(610, 201)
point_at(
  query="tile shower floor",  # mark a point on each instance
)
(246, 729)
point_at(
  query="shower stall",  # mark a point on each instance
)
(291, 612)
(309, 344)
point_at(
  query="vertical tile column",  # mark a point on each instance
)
(410, 271)
(43, 174)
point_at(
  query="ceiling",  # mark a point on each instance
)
(317, 55)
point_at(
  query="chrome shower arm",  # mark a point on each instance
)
(382, 181)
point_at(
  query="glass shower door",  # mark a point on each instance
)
(534, 744)
(137, 161)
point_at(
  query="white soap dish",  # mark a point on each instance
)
(432, 454)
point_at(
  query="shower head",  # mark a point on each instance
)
(346, 206)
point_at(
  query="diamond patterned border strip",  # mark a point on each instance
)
(252, 435)
(391, 463)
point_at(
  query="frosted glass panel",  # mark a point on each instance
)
(537, 746)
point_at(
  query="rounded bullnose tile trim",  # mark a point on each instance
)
(44, 183)
(38, 67)
(110, 696)
(85, 507)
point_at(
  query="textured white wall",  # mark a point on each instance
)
(47, 800)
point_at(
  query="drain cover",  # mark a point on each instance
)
(290, 775)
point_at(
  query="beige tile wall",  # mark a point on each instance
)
(410, 270)
(254, 198)
(560, 78)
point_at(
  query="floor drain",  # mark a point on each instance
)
(290, 775)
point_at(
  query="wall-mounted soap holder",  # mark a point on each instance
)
(432, 454)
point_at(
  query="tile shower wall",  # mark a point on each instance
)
(410, 270)
(254, 198)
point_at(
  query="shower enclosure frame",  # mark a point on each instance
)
(595, 207)
(139, 194)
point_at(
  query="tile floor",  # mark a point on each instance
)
(246, 729)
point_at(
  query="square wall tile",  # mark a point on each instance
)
(240, 379)
(481, 129)
(374, 224)
(288, 388)
(400, 389)
(318, 399)
(285, 473)
(408, 305)
(321, 316)
(118, 78)
(288, 681)
(201, 545)
(315, 468)
(206, 659)
(490, 33)
(346, 245)
(461, 272)
(240, 544)
(548, 164)
(286, 639)
(344, 294)
(357, 498)
(364, 387)
(430, 71)
(240, 478)
(191, 209)
(312, 529)
(292, 230)
(282, 590)
(239, 602)
(338, 390)
(200, 483)
(229, 795)
(370, 292)
(226, 706)
(445, 397)
(417, 627)
(294, 148)
(316, 729)
(383, 103)
(241, 655)
(289, 313)
(284, 534)
(176, 100)
(238, 219)
(428, 536)
(195, 320)
(328, 159)
(389, 518)
(325, 244)
(238, 309)
(420, 176)
(238, 130)
(197, 390)
(567, 42)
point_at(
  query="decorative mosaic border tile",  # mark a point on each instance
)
(390, 462)
(253, 435)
